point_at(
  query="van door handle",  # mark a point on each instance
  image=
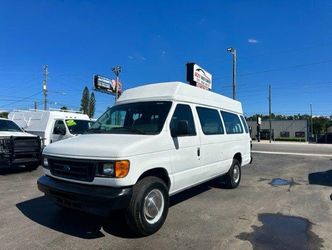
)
(198, 152)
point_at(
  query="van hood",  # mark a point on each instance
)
(15, 134)
(104, 146)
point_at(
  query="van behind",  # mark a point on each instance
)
(51, 125)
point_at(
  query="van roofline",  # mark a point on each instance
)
(181, 92)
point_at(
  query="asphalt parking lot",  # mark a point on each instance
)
(256, 215)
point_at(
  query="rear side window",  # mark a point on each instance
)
(245, 124)
(183, 112)
(210, 121)
(232, 123)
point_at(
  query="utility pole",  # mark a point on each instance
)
(116, 70)
(45, 86)
(35, 105)
(311, 125)
(233, 52)
(270, 114)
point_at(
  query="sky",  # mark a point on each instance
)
(287, 44)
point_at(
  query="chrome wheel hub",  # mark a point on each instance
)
(153, 206)
(236, 173)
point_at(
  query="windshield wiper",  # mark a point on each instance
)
(133, 129)
(95, 130)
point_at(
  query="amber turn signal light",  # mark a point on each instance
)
(121, 168)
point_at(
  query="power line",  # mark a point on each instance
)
(21, 100)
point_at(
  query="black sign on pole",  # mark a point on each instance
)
(105, 85)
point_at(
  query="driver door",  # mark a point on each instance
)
(59, 131)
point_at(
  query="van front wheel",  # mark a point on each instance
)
(148, 207)
(233, 177)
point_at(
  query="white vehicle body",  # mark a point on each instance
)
(18, 147)
(181, 161)
(44, 123)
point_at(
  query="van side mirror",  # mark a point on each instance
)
(180, 128)
(59, 130)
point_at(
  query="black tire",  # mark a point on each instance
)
(232, 179)
(32, 167)
(137, 217)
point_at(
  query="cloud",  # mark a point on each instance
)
(252, 40)
(136, 57)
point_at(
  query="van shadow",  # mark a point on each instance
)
(12, 170)
(86, 226)
(321, 178)
(75, 223)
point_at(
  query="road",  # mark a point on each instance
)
(205, 217)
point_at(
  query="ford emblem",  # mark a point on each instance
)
(66, 168)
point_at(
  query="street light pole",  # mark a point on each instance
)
(311, 132)
(270, 113)
(116, 70)
(233, 52)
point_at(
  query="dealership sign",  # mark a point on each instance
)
(106, 85)
(198, 76)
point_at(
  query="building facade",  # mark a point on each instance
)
(281, 129)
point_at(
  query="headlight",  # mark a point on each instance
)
(117, 169)
(108, 169)
(45, 163)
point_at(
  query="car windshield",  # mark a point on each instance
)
(133, 118)
(77, 127)
(6, 125)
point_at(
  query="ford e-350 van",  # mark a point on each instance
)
(158, 140)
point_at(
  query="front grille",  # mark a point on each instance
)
(73, 169)
(25, 147)
(20, 149)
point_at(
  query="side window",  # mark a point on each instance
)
(245, 124)
(210, 121)
(59, 128)
(232, 123)
(183, 113)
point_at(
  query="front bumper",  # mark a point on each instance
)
(92, 199)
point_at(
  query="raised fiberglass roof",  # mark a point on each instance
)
(179, 91)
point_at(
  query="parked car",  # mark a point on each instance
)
(18, 147)
(51, 125)
(158, 140)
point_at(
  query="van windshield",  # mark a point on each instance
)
(133, 118)
(11, 126)
(77, 127)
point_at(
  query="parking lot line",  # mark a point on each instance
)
(291, 153)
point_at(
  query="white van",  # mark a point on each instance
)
(158, 140)
(51, 125)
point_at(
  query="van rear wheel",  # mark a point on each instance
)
(233, 177)
(148, 207)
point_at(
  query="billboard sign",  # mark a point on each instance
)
(105, 85)
(198, 76)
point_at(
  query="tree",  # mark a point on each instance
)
(4, 114)
(92, 105)
(64, 108)
(85, 101)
